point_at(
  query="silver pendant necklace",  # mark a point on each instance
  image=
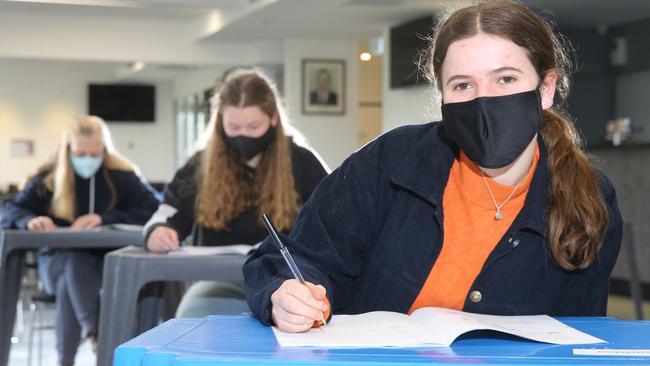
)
(498, 215)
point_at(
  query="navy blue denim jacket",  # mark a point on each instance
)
(372, 230)
(135, 200)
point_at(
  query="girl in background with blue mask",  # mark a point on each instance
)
(86, 185)
(494, 210)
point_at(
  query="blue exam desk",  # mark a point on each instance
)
(242, 340)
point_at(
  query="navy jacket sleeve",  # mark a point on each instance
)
(137, 200)
(34, 200)
(177, 208)
(327, 241)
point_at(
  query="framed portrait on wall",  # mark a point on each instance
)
(323, 86)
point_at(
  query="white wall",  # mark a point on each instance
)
(196, 82)
(333, 137)
(39, 98)
(204, 78)
(412, 105)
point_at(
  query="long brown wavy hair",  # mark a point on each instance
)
(60, 175)
(225, 191)
(578, 216)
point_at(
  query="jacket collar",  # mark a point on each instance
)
(426, 167)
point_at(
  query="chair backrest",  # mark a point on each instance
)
(630, 254)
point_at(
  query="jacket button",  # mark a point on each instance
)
(515, 243)
(475, 296)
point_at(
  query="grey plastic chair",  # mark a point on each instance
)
(635, 282)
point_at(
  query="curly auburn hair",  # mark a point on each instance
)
(225, 190)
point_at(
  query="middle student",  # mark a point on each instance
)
(249, 166)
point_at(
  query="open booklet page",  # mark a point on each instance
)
(124, 227)
(427, 327)
(69, 230)
(242, 249)
(111, 227)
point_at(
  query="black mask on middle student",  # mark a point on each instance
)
(494, 131)
(248, 147)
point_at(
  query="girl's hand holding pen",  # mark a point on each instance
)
(163, 239)
(297, 308)
(297, 305)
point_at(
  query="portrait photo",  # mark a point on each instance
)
(323, 86)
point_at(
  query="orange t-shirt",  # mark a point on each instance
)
(471, 231)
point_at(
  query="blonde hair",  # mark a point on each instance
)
(60, 179)
(224, 191)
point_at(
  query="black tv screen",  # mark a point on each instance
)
(406, 42)
(122, 102)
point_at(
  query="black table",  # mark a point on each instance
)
(128, 269)
(14, 243)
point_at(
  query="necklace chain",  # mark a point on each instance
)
(497, 214)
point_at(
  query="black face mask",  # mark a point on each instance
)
(493, 131)
(248, 147)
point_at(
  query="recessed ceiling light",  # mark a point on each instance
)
(365, 56)
(137, 66)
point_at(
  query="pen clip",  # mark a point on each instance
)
(272, 231)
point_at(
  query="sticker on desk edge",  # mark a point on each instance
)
(611, 352)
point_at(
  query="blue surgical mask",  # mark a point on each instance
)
(86, 166)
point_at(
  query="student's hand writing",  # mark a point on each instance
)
(163, 239)
(87, 221)
(296, 307)
(41, 223)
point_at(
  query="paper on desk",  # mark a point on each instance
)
(111, 227)
(124, 227)
(612, 352)
(71, 230)
(242, 249)
(374, 329)
(428, 327)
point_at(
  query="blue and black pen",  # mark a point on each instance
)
(287, 257)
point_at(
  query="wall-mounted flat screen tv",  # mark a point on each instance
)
(122, 102)
(406, 43)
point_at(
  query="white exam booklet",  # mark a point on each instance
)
(111, 227)
(124, 227)
(427, 327)
(241, 249)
